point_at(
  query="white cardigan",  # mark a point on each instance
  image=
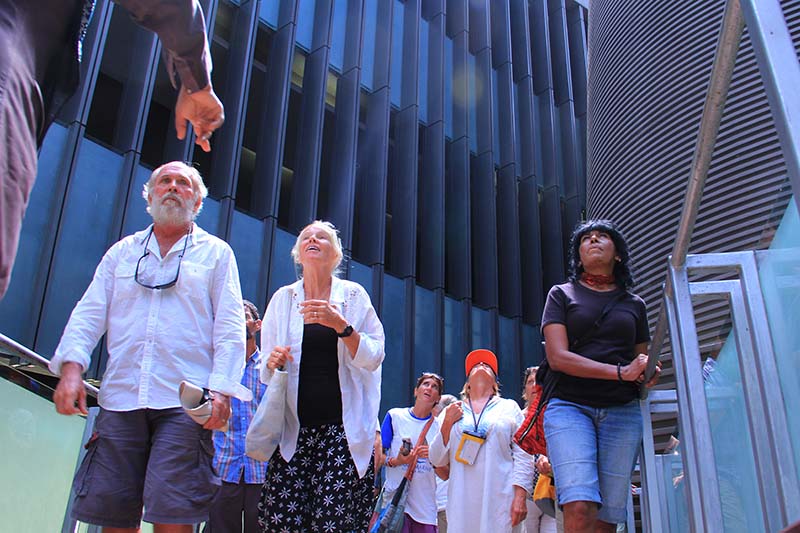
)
(359, 376)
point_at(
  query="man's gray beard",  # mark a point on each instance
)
(173, 215)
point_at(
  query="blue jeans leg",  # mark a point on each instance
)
(593, 451)
(619, 436)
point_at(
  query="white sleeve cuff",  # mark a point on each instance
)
(218, 383)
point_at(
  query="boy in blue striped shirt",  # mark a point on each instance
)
(242, 476)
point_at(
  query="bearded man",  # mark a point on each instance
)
(169, 301)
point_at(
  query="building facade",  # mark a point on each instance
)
(445, 139)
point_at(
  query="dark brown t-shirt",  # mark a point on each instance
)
(578, 307)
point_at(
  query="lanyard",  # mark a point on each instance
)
(485, 408)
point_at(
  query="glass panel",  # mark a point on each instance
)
(136, 216)
(780, 283)
(290, 149)
(673, 489)
(517, 118)
(338, 37)
(268, 12)
(305, 23)
(426, 359)
(247, 243)
(730, 433)
(391, 176)
(454, 345)
(84, 237)
(495, 119)
(37, 476)
(18, 316)
(472, 99)
(395, 383)
(507, 359)
(448, 87)
(368, 44)
(424, 38)
(208, 219)
(362, 274)
(532, 352)
(159, 143)
(282, 269)
(117, 91)
(481, 329)
(254, 112)
(224, 26)
(396, 75)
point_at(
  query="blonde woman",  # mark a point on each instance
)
(325, 333)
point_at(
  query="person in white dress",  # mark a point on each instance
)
(490, 476)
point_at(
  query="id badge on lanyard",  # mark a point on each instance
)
(471, 440)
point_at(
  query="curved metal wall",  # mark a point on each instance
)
(649, 66)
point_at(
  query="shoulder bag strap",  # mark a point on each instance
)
(420, 440)
(549, 388)
(591, 331)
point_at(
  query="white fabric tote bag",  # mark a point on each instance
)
(266, 429)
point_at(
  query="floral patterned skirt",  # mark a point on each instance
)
(319, 489)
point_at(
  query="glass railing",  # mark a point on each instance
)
(733, 446)
(749, 497)
(779, 274)
(40, 451)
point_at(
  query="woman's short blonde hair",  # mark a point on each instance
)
(333, 235)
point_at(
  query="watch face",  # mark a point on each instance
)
(347, 331)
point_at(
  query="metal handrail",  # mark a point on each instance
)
(18, 350)
(724, 61)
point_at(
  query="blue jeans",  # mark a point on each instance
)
(593, 451)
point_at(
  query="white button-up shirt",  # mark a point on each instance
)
(359, 375)
(193, 331)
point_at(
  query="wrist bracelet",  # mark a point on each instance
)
(619, 373)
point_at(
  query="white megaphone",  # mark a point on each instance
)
(196, 402)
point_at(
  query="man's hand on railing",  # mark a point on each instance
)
(70, 394)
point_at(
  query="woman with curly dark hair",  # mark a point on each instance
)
(596, 336)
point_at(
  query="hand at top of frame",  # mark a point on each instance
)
(203, 110)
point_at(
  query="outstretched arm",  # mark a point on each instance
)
(180, 25)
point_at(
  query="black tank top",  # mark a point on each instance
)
(319, 397)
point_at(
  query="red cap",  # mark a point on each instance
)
(480, 356)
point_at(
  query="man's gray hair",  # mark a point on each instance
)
(192, 173)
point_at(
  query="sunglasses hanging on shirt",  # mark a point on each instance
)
(169, 284)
